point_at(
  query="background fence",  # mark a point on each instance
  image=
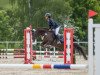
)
(19, 45)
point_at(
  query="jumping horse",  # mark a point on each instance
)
(49, 40)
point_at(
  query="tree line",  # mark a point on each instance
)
(73, 13)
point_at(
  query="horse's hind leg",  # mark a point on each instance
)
(81, 50)
(74, 58)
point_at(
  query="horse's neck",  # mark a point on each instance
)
(41, 31)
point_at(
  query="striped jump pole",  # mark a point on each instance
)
(45, 66)
(49, 54)
(36, 54)
(68, 45)
(28, 45)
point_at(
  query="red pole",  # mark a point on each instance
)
(72, 37)
(28, 45)
(25, 46)
(66, 44)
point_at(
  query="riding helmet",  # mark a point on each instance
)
(48, 15)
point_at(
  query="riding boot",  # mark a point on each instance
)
(60, 39)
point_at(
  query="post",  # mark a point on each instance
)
(68, 45)
(28, 45)
(97, 50)
(54, 51)
(90, 46)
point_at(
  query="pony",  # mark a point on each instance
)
(49, 40)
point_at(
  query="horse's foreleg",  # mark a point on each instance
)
(43, 43)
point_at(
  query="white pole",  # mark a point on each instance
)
(40, 52)
(40, 66)
(54, 51)
(68, 35)
(9, 66)
(46, 52)
(90, 47)
(97, 50)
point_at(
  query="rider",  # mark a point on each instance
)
(53, 26)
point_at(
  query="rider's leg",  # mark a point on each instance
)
(56, 31)
(57, 35)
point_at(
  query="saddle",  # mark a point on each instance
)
(58, 37)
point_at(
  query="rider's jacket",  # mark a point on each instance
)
(52, 24)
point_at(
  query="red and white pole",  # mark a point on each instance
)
(68, 45)
(28, 45)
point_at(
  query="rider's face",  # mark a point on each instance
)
(46, 17)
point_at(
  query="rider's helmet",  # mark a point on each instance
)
(48, 15)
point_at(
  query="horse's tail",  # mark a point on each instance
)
(79, 48)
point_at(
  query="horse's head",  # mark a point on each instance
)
(34, 36)
(38, 32)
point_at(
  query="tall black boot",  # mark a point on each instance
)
(60, 38)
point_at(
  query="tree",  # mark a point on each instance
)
(32, 12)
(5, 28)
(80, 15)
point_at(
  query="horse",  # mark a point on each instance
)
(49, 40)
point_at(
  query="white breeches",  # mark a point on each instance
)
(56, 31)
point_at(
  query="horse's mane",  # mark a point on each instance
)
(44, 28)
(40, 31)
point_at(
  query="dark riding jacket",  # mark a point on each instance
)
(52, 24)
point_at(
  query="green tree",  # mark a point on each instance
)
(80, 15)
(32, 12)
(5, 28)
